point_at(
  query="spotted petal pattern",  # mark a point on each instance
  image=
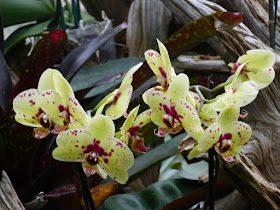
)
(96, 147)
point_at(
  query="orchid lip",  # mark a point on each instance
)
(225, 143)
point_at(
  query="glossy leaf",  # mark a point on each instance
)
(24, 32)
(18, 11)
(188, 37)
(155, 196)
(77, 57)
(87, 78)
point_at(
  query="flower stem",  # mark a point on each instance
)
(87, 197)
(271, 24)
(212, 179)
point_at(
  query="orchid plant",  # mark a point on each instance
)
(173, 106)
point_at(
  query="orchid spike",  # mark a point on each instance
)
(207, 113)
(161, 65)
(96, 148)
(258, 68)
(171, 111)
(130, 127)
(118, 100)
(227, 135)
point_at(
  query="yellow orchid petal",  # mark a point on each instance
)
(170, 73)
(209, 138)
(101, 127)
(52, 104)
(178, 88)
(245, 93)
(229, 115)
(106, 100)
(262, 78)
(143, 119)
(46, 80)
(189, 118)
(208, 115)
(77, 111)
(155, 62)
(71, 145)
(26, 107)
(119, 106)
(62, 87)
(194, 152)
(120, 176)
(28, 121)
(127, 80)
(130, 119)
(258, 59)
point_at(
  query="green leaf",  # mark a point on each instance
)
(24, 32)
(155, 196)
(156, 155)
(88, 77)
(19, 11)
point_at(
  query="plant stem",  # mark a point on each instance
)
(271, 24)
(87, 197)
(62, 21)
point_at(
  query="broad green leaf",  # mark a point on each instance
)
(24, 32)
(88, 77)
(155, 196)
(19, 11)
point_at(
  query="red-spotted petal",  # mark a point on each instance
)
(26, 107)
(189, 118)
(77, 111)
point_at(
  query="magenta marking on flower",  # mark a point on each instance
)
(95, 149)
(225, 143)
(151, 54)
(170, 116)
(32, 103)
(133, 129)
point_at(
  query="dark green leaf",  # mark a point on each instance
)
(24, 32)
(155, 196)
(77, 57)
(88, 77)
(22, 11)
(6, 86)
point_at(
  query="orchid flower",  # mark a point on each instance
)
(237, 92)
(96, 148)
(131, 125)
(171, 110)
(258, 68)
(227, 135)
(161, 65)
(118, 100)
(58, 101)
(53, 103)
(28, 113)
